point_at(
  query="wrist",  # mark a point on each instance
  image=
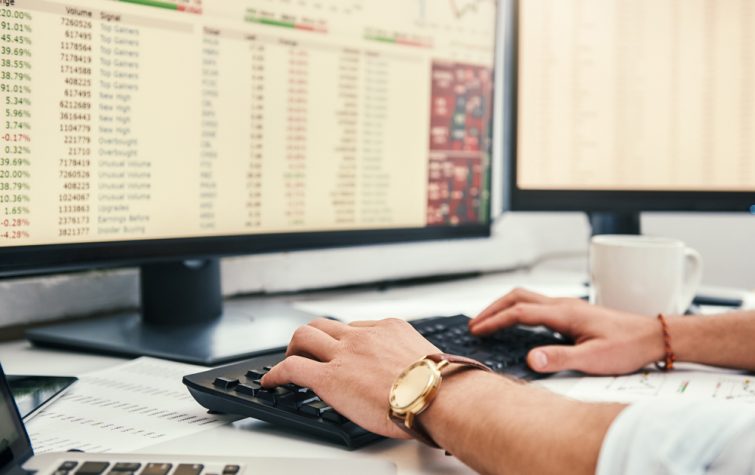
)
(416, 388)
(651, 344)
(447, 418)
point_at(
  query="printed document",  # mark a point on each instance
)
(122, 409)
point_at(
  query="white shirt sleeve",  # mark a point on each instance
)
(670, 437)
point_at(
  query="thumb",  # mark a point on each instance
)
(551, 359)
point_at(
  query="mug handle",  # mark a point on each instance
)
(693, 277)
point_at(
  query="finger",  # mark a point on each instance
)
(512, 298)
(311, 342)
(331, 327)
(551, 359)
(294, 369)
(363, 324)
(552, 316)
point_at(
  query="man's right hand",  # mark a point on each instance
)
(606, 341)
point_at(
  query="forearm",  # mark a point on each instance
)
(725, 340)
(495, 425)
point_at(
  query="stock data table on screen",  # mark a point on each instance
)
(155, 119)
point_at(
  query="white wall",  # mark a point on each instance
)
(726, 241)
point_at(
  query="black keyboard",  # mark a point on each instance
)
(504, 352)
(236, 389)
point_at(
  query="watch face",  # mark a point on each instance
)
(412, 385)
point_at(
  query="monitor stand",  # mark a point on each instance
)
(614, 223)
(182, 319)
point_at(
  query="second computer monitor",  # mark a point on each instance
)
(628, 106)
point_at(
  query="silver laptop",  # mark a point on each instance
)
(17, 457)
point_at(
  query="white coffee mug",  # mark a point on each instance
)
(644, 275)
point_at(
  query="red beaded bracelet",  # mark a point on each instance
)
(668, 363)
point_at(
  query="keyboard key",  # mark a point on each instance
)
(127, 467)
(286, 400)
(281, 391)
(157, 469)
(67, 466)
(267, 368)
(231, 469)
(225, 383)
(315, 408)
(189, 469)
(92, 468)
(249, 389)
(333, 416)
(292, 400)
(266, 396)
(307, 401)
(271, 396)
(255, 373)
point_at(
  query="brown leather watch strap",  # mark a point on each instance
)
(418, 430)
(454, 359)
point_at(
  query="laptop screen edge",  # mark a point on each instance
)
(18, 449)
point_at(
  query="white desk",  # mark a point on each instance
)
(253, 438)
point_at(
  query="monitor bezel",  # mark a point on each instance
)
(588, 200)
(32, 260)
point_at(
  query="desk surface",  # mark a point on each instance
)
(253, 438)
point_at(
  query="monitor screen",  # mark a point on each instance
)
(636, 96)
(150, 120)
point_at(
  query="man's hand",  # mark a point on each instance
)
(352, 367)
(606, 341)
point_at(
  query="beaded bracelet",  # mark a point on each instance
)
(668, 363)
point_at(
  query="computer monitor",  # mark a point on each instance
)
(166, 134)
(619, 106)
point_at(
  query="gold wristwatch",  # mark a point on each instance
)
(415, 389)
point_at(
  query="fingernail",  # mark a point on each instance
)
(540, 359)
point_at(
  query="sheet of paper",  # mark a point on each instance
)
(121, 409)
(677, 384)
